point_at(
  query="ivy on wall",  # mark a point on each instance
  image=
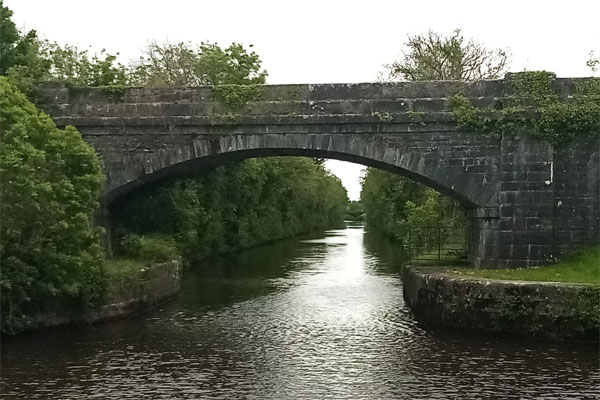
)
(535, 109)
(236, 96)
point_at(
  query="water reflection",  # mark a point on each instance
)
(320, 316)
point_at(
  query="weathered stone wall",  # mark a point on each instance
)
(526, 196)
(147, 134)
(158, 284)
(545, 310)
(548, 201)
(576, 184)
(528, 204)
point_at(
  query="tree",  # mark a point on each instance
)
(15, 48)
(182, 64)
(20, 53)
(25, 60)
(77, 67)
(436, 57)
(593, 62)
(50, 180)
(384, 197)
(393, 203)
(237, 205)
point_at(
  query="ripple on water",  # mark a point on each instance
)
(315, 318)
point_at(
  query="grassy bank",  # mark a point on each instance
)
(583, 267)
(125, 269)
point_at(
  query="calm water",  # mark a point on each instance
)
(310, 318)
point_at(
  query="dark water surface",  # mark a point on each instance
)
(310, 318)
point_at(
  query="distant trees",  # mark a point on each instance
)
(437, 57)
(237, 206)
(50, 181)
(354, 211)
(393, 203)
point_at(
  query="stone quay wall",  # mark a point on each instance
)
(159, 283)
(543, 310)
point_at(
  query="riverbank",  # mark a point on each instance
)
(316, 316)
(583, 267)
(153, 285)
(546, 310)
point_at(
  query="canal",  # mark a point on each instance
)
(319, 316)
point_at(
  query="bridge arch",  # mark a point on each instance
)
(472, 190)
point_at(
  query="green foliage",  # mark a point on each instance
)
(79, 68)
(151, 248)
(121, 271)
(51, 180)
(393, 204)
(583, 267)
(116, 92)
(26, 60)
(20, 58)
(182, 64)
(383, 116)
(536, 110)
(384, 196)
(233, 65)
(235, 96)
(239, 205)
(436, 57)
(354, 211)
(233, 72)
(15, 48)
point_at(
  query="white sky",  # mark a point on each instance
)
(326, 41)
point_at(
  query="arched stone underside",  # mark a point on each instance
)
(527, 202)
(473, 189)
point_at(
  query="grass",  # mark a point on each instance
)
(125, 269)
(447, 257)
(583, 267)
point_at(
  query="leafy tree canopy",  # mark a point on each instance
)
(51, 179)
(236, 206)
(183, 64)
(15, 48)
(436, 57)
(27, 59)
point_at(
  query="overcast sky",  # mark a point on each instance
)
(326, 41)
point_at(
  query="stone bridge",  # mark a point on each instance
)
(528, 203)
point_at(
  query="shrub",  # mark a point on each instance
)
(149, 248)
(51, 179)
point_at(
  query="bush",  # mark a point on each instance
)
(148, 248)
(51, 180)
(236, 206)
